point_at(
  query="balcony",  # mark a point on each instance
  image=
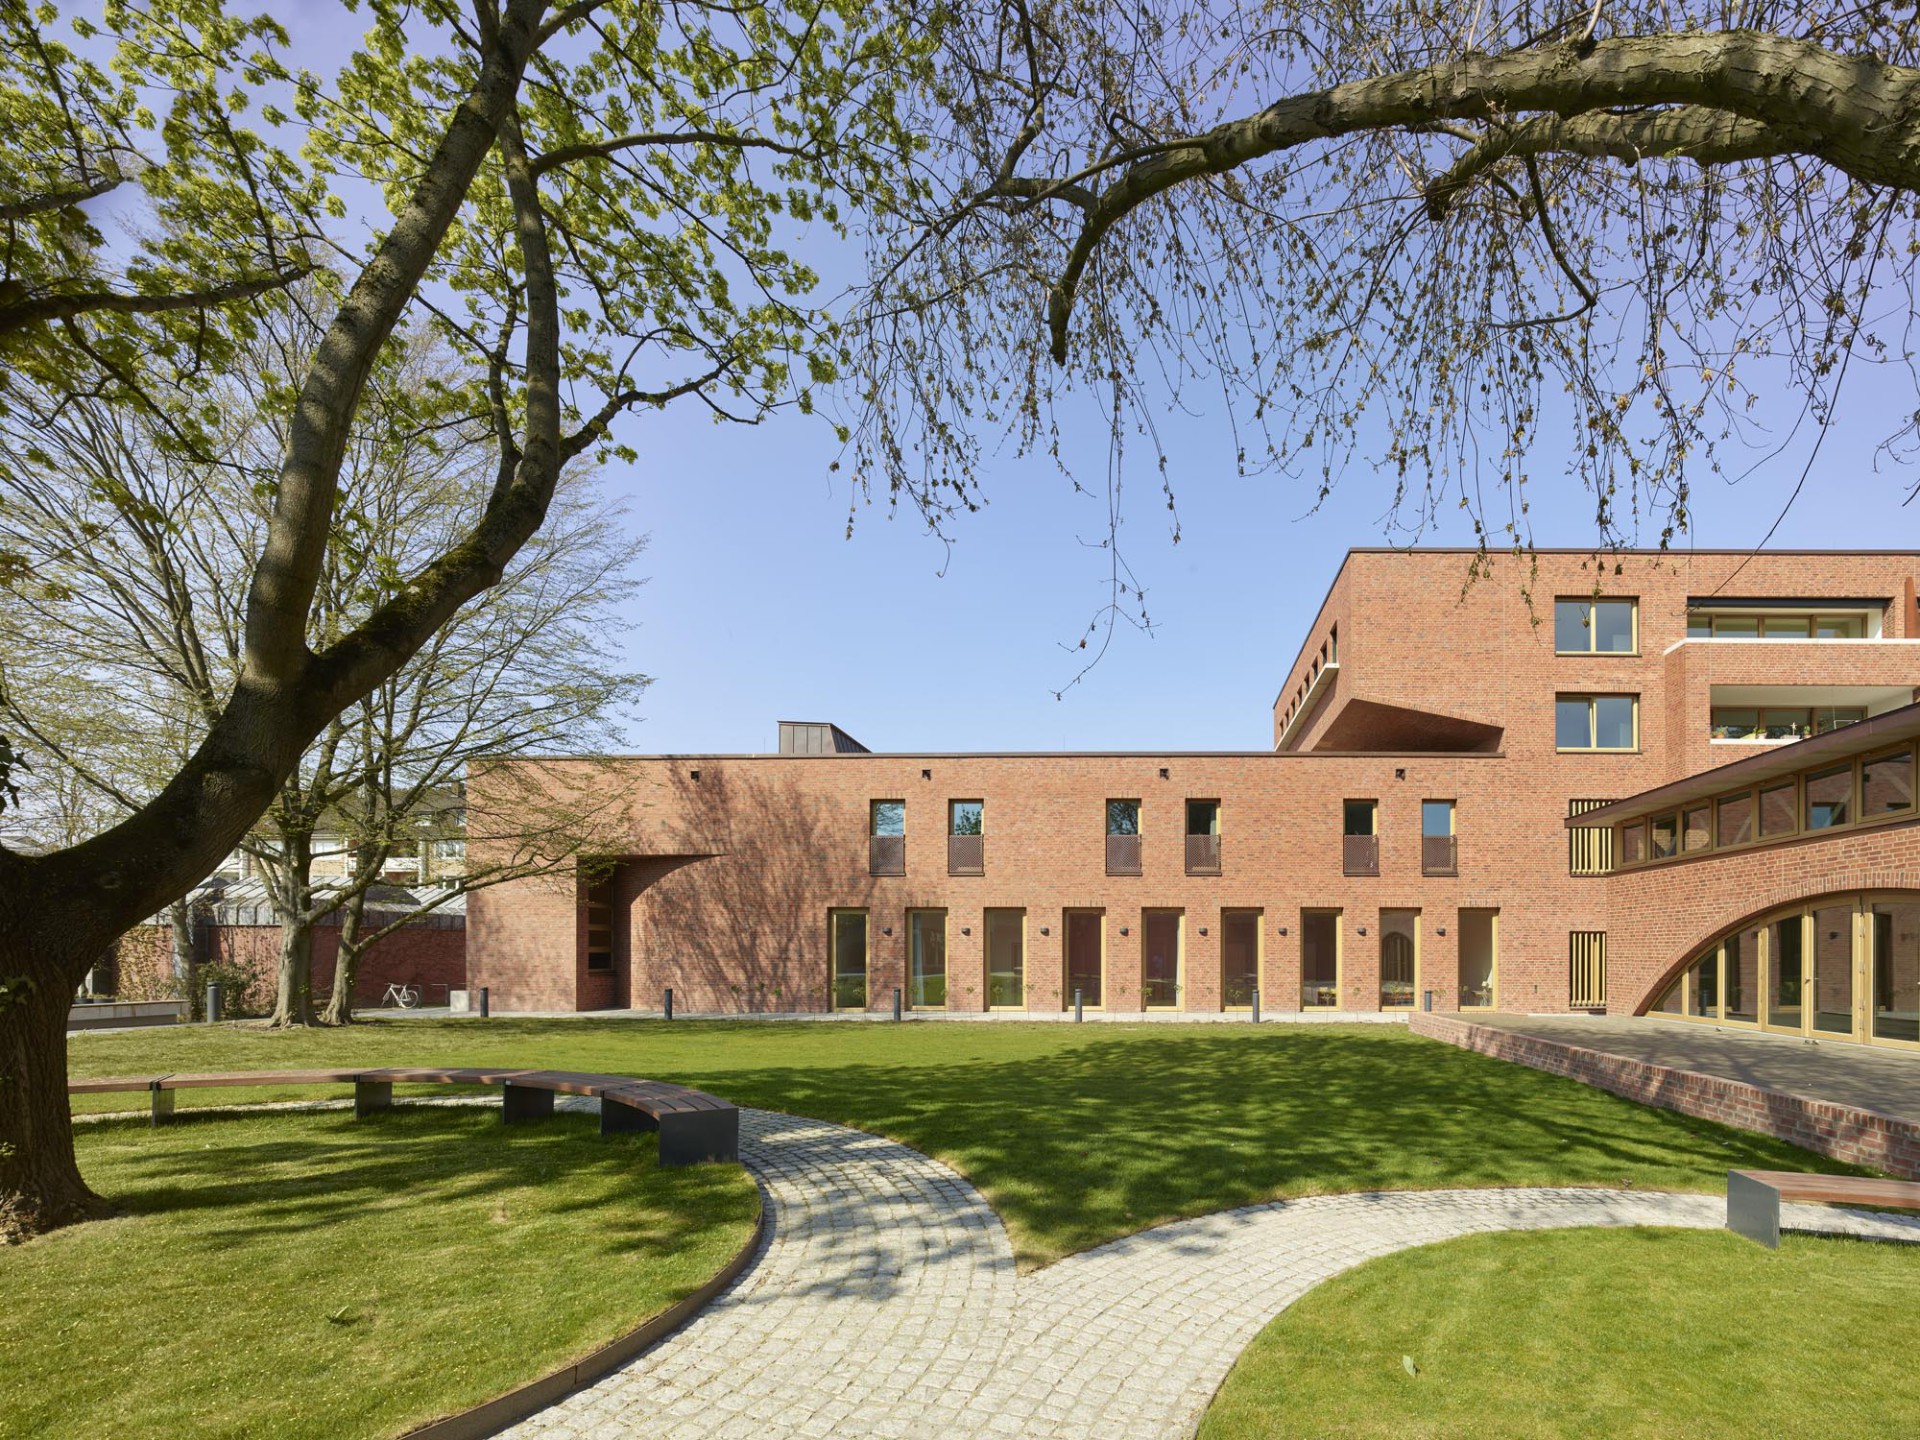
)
(966, 854)
(1361, 855)
(1203, 854)
(1439, 855)
(1123, 854)
(886, 855)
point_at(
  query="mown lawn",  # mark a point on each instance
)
(1628, 1335)
(1077, 1134)
(301, 1274)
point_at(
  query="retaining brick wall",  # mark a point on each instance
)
(1843, 1132)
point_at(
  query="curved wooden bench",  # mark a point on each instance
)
(1754, 1196)
(693, 1125)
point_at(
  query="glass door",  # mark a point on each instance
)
(1006, 958)
(1895, 929)
(849, 942)
(1479, 932)
(1239, 958)
(1833, 969)
(1787, 973)
(927, 959)
(1085, 967)
(1160, 959)
(1399, 958)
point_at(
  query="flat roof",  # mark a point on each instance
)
(1017, 755)
(1888, 729)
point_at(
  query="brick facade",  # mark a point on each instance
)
(735, 862)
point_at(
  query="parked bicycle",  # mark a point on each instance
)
(405, 996)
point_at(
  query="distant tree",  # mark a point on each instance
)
(586, 198)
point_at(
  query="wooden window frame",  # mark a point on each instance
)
(1632, 601)
(1590, 697)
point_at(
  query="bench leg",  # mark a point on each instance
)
(371, 1095)
(162, 1105)
(619, 1118)
(524, 1102)
(1753, 1210)
(692, 1137)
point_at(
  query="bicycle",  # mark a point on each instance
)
(405, 996)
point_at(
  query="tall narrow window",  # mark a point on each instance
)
(1733, 819)
(1595, 627)
(1006, 958)
(1086, 957)
(1160, 959)
(1479, 940)
(1123, 837)
(1829, 798)
(927, 959)
(1399, 958)
(598, 899)
(1360, 851)
(1787, 973)
(1203, 837)
(1740, 977)
(848, 941)
(1439, 853)
(1239, 958)
(1319, 959)
(966, 838)
(887, 837)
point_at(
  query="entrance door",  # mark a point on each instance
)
(1399, 958)
(849, 942)
(1833, 969)
(1895, 928)
(1160, 959)
(927, 959)
(1239, 958)
(1787, 973)
(1084, 968)
(1006, 958)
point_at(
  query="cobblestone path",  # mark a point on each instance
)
(884, 1303)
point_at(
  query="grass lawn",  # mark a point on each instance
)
(1630, 1335)
(301, 1274)
(1076, 1134)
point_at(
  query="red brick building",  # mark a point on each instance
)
(1407, 837)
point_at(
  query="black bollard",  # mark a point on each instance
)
(216, 1002)
(667, 1008)
(1256, 1007)
(1076, 1005)
(896, 1002)
(484, 1003)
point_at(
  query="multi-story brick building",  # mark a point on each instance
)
(1407, 840)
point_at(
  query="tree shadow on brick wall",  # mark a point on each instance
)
(741, 925)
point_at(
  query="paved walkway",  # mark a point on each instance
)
(1842, 1073)
(884, 1303)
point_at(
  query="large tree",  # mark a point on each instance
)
(586, 197)
(1461, 248)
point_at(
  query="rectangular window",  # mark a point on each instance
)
(1886, 784)
(1665, 832)
(966, 838)
(1696, 832)
(1319, 959)
(1833, 717)
(1633, 842)
(1829, 798)
(1239, 958)
(1360, 845)
(1399, 958)
(927, 959)
(887, 837)
(1086, 958)
(1587, 969)
(1479, 939)
(1779, 814)
(1787, 627)
(1006, 958)
(1703, 989)
(1838, 627)
(1733, 819)
(848, 941)
(1203, 837)
(1438, 855)
(1699, 625)
(1787, 971)
(1589, 627)
(1734, 722)
(1123, 837)
(1736, 627)
(1740, 977)
(1596, 722)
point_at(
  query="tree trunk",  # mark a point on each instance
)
(294, 1002)
(180, 928)
(346, 962)
(40, 1184)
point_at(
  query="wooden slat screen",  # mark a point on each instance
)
(1587, 969)
(1589, 850)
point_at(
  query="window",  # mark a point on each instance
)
(1665, 831)
(1479, 951)
(1123, 837)
(1360, 845)
(927, 959)
(1777, 722)
(1633, 842)
(598, 901)
(1239, 958)
(1696, 832)
(1596, 722)
(1886, 784)
(1006, 958)
(1829, 797)
(1319, 959)
(449, 849)
(1438, 852)
(1203, 837)
(966, 838)
(1779, 813)
(887, 837)
(848, 973)
(1717, 625)
(1733, 819)
(1590, 627)
(1086, 957)
(1399, 958)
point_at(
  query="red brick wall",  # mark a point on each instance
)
(432, 958)
(1844, 1132)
